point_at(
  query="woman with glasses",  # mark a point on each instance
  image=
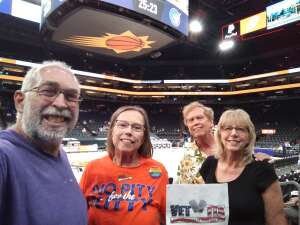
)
(199, 120)
(127, 187)
(255, 196)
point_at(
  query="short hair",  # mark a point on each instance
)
(146, 149)
(33, 76)
(208, 112)
(237, 117)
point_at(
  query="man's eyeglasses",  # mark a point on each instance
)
(51, 92)
(239, 130)
(136, 127)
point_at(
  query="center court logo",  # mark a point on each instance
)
(175, 17)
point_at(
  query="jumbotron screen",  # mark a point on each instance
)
(23, 9)
(98, 29)
(171, 12)
(282, 13)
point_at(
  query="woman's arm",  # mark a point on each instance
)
(161, 192)
(273, 201)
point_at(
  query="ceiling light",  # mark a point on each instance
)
(226, 45)
(196, 26)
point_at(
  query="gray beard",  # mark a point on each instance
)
(36, 133)
(31, 125)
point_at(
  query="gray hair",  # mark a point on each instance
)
(33, 76)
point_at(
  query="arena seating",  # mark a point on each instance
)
(286, 131)
(286, 165)
(166, 123)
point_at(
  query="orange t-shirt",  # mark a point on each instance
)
(125, 196)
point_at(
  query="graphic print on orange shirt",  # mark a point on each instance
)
(112, 196)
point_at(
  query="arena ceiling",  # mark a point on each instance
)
(193, 57)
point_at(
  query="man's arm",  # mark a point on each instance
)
(262, 156)
(273, 201)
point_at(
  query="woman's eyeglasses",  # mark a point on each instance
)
(136, 127)
(239, 130)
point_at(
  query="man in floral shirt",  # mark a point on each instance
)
(199, 121)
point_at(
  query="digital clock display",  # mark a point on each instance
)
(148, 6)
(171, 12)
(152, 8)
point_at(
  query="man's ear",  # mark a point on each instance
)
(19, 97)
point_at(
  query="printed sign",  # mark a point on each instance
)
(205, 204)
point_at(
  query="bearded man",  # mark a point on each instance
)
(37, 186)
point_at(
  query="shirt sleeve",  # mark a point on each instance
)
(3, 182)
(84, 178)
(264, 174)
(180, 170)
(188, 168)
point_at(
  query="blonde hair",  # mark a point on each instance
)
(208, 112)
(236, 117)
(146, 149)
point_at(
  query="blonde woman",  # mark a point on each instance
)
(255, 196)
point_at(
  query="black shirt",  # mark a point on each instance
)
(246, 206)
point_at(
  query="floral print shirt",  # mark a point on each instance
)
(188, 169)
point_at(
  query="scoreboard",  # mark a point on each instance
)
(22, 9)
(174, 13)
